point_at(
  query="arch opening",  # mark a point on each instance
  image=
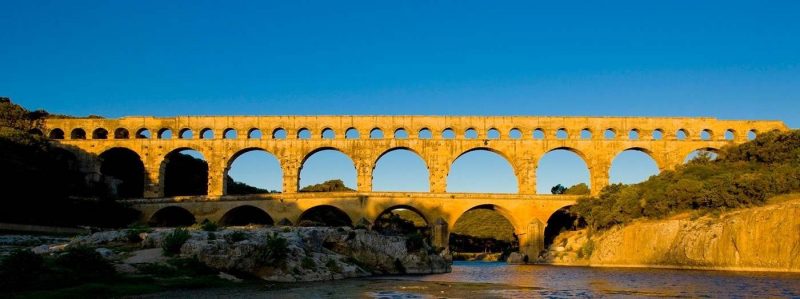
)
(703, 154)
(482, 229)
(172, 216)
(586, 134)
(328, 133)
(254, 133)
(481, 170)
(100, 133)
(470, 134)
(560, 221)
(185, 133)
(448, 134)
(400, 133)
(515, 134)
(229, 133)
(538, 134)
(681, 134)
(77, 134)
(632, 166)
(633, 134)
(400, 169)
(400, 221)
(610, 134)
(658, 134)
(730, 135)
(56, 134)
(493, 134)
(376, 133)
(425, 133)
(253, 171)
(706, 135)
(123, 173)
(561, 133)
(121, 133)
(246, 215)
(351, 133)
(165, 134)
(324, 215)
(304, 134)
(206, 134)
(327, 170)
(143, 134)
(562, 171)
(279, 133)
(752, 134)
(185, 173)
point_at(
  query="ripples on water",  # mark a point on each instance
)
(539, 280)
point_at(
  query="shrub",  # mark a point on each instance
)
(208, 226)
(308, 263)
(134, 230)
(85, 264)
(333, 266)
(587, 249)
(20, 270)
(236, 236)
(174, 240)
(274, 250)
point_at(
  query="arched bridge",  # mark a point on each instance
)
(437, 140)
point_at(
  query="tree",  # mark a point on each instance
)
(327, 186)
(558, 189)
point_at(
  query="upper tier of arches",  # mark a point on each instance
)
(415, 127)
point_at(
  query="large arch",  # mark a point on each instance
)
(171, 216)
(712, 153)
(253, 170)
(484, 228)
(633, 165)
(400, 169)
(488, 163)
(185, 172)
(246, 215)
(561, 220)
(123, 172)
(561, 166)
(324, 164)
(324, 215)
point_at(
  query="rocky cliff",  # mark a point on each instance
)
(759, 239)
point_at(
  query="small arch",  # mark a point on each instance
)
(610, 134)
(633, 134)
(304, 134)
(376, 133)
(77, 134)
(185, 133)
(470, 134)
(658, 134)
(400, 220)
(143, 134)
(586, 134)
(207, 133)
(121, 133)
(730, 134)
(448, 134)
(561, 133)
(706, 134)
(493, 134)
(172, 216)
(400, 133)
(515, 133)
(279, 133)
(351, 133)
(246, 215)
(328, 133)
(425, 133)
(324, 215)
(254, 133)
(165, 133)
(56, 134)
(100, 133)
(35, 131)
(229, 133)
(538, 134)
(752, 134)
(681, 134)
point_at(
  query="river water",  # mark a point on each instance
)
(499, 280)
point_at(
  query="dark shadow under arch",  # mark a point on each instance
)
(246, 215)
(172, 216)
(184, 174)
(324, 215)
(123, 172)
(561, 220)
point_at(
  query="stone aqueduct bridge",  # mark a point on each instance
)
(438, 140)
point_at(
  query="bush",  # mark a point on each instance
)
(333, 266)
(236, 236)
(85, 264)
(174, 240)
(20, 270)
(208, 226)
(274, 251)
(308, 263)
(133, 232)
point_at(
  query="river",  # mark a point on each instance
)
(499, 280)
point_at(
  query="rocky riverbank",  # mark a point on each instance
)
(756, 239)
(269, 253)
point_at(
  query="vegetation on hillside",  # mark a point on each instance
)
(578, 189)
(742, 176)
(327, 186)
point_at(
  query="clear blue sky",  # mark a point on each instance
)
(727, 59)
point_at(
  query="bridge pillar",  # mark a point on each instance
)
(599, 177)
(152, 182)
(291, 175)
(440, 235)
(531, 239)
(364, 171)
(216, 178)
(526, 176)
